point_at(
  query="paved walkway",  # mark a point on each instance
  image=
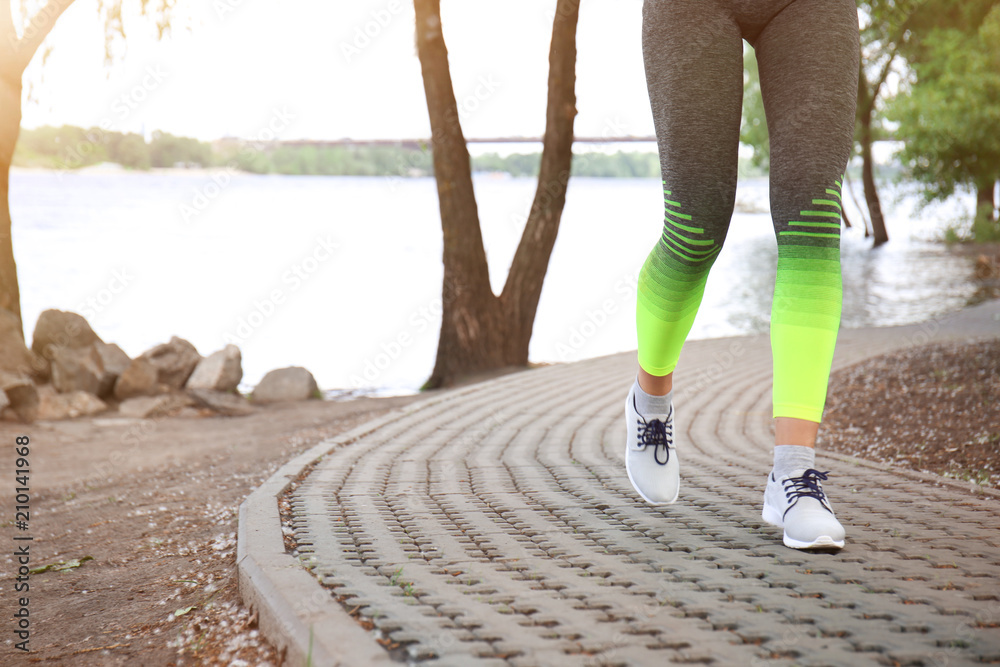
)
(495, 525)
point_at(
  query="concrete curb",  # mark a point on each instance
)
(306, 625)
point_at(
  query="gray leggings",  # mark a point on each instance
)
(807, 53)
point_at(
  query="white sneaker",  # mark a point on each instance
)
(650, 459)
(797, 503)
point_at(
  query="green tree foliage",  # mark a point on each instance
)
(617, 165)
(166, 150)
(753, 128)
(70, 147)
(949, 113)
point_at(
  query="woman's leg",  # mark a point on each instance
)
(693, 54)
(808, 62)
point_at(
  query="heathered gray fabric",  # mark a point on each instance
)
(807, 52)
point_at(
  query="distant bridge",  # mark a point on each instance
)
(418, 143)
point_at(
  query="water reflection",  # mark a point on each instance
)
(200, 278)
(912, 278)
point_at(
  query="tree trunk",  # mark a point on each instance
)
(481, 332)
(985, 226)
(871, 191)
(985, 204)
(471, 326)
(850, 190)
(866, 110)
(847, 222)
(531, 261)
(10, 128)
(15, 54)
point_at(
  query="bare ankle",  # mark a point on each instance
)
(656, 385)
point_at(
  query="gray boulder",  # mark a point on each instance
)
(286, 384)
(144, 407)
(140, 378)
(57, 328)
(52, 405)
(174, 361)
(223, 402)
(76, 369)
(219, 371)
(114, 361)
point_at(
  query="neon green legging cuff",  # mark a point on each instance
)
(805, 315)
(802, 358)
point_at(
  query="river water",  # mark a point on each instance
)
(342, 275)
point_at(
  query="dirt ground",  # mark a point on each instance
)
(149, 509)
(934, 408)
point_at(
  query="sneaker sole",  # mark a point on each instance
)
(771, 516)
(821, 542)
(641, 494)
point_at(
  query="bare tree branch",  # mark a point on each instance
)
(7, 33)
(38, 29)
(523, 287)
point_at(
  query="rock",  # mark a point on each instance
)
(286, 384)
(52, 405)
(223, 402)
(139, 379)
(21, 394)
(76, 369)
(144, 407)
(114, 361)
(56, 328)
(219, 371)
(15, 357)
(174, 361)
(4, 401)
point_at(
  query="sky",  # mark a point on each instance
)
(326, 70)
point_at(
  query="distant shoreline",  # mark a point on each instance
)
(114, 168)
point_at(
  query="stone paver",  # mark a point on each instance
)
(495, 525)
